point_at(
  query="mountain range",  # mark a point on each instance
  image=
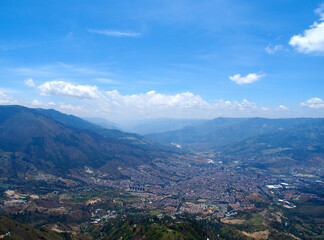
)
(147, 126)
(53, 142)
(224, 131)
(38, 139)
(299, 139)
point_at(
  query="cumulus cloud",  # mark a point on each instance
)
(67, 89)
(315, 103)
(312, 39)
(35, 102)
(143, 105)
(271, 50)
(248, 79)
(115, 33)
(152, 104)
(234, 106)
(149, 104)
(29, 82)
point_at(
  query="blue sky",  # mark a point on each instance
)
(151, 59)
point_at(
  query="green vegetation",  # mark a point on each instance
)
(54, 143)
(10, 229)
(306, 221)
(64, 174)
(164, 229)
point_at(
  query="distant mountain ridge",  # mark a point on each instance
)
(265, 143)
(220, 132)
(303, 141)
(163, 124)
(53, 142)
(147, 126)
(104, 123)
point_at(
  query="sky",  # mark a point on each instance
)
(143, 59)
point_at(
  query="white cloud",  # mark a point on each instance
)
(5, 99)
(180, 105)
(320, 11)
(150, 104)
(265, 109)
(313, 103)
(271, 50)
(312, 39)
(29, 82)
(67, 89)
(244, 106)
(35, 102)
(154, 99)
(116, 106)
(282, 107)
(115, 33)
(248, 79)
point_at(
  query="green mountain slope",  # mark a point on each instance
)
(55, 142)
(10, 229)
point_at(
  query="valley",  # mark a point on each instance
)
(113, 184)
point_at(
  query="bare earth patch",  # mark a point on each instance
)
(232, 221)
(258, 235)
(92, 201)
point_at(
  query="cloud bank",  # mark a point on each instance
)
(86, 100)
(180, 105)
(143, 105)
(150, 99)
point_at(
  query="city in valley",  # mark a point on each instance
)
(201, 186)
(161, 120)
